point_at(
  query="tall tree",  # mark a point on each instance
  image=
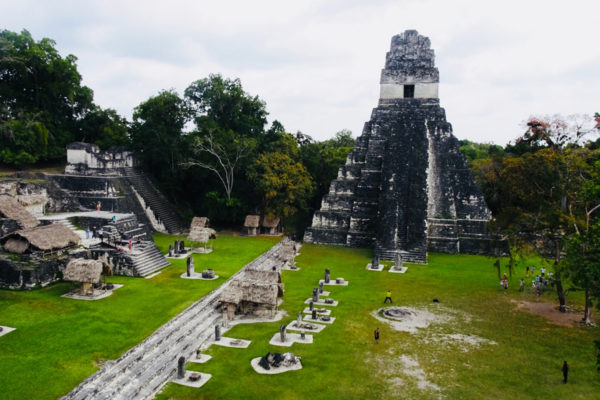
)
(42, 100)
(157, 130)
(105, 128)
(285, 184)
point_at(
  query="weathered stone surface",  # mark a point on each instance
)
(405, 188)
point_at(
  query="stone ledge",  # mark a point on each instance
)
(290, 339)
(308, 318)
(197, 275)
(6, 329)
(378, 269)
(321, 302)
(186, 382)
(293, 327)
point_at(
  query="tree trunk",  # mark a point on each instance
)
(562, 300)
(560, 291)
(587, 313)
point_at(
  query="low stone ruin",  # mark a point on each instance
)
(278, 360)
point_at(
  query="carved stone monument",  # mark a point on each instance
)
(311, 305)
(217, 333)
(405, 187)
(314, 314)
(282, 333)
(181, 368)
(375, 261)
(320, 287)
(190, 266)
(327, 273)
(170, 251)
(176, 247)
(315, 295)
(182, 247)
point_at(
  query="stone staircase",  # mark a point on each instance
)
(141, 371)
(417, 256)
(159, 205)
(147, 259)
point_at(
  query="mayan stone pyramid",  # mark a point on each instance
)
(405, 188)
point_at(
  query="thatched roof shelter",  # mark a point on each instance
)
(47, 237)
(250, 291)
(200, 234)
(270, 222)
(200, 222)
(82, 270)
(264, 277)
(252, 221)
(11, 208)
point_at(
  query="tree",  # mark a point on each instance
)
(42, 101)
(221, 153)
(156, 132)
(538, 192)
(215, 100)
(285, 184)
(105, 128)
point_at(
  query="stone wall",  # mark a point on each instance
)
(88, 159)
(29, 271)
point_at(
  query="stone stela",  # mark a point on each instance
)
(405, 188)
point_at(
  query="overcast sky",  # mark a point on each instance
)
(317, 63)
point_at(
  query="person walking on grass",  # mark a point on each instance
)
(565, 370)
(376, 335)
(388, 296)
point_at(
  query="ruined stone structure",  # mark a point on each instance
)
(405, 188)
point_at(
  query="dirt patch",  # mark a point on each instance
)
(550, 312)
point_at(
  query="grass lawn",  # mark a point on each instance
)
(520, 357)
(59, 342)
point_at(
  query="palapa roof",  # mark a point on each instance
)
(82, 270)
(201, 222)
(252, 221)
(262, 276)
(11, 208)
(17, 246)
(252, 291)
(46, 237)
(270, 222)
(199, 234)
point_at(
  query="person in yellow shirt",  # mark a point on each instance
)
(388, 296)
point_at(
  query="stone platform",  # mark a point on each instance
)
(195, 384)
(273, 371)
(290, 339)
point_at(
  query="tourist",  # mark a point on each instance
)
(101, 234)
(130, 245)
(376, 334)
(94, 233)
(98, 206)
(114, 219)
(565, 370)
(521, 285)
(542, 271)
(388, 296)
(87, 232)
(505, 284)
(527, 271)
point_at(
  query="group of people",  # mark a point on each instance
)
(96, 233)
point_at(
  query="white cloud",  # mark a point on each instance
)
(317, 63)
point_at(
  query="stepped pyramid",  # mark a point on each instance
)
(405, 188)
